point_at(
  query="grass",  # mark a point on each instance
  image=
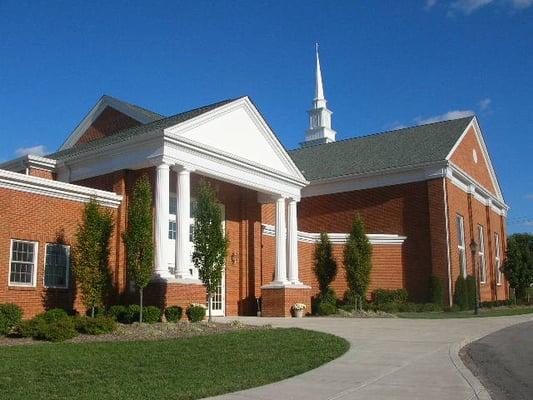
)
(483, 313)
(186, 368)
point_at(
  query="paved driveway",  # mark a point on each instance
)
(388, 359)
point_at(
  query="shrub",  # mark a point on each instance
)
(325, 267)
(10, 315)
(436, 295)
(196, 312)
(151, 314)
(389, 307)
(325, 308)
(328, 299)
(471, 291)
(453, 308)
(95, 326)
(132, 313)
(430, 307)
(56, 331)
(496, 303)
(173, 314)
(382, 296)
(460, 297)
(54, 315)
(25, 329)
(119, 313)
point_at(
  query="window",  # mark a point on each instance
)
(461, 244)
(23, 264)
(172, 230)
(497, 259)
(482, 264)
(56, 266)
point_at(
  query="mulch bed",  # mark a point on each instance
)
(143, 332)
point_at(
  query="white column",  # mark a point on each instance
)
(161, 221)
(280, 275)
(292, 242)
(183, 222)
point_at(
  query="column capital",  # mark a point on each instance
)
(160, 161)
(182, 169)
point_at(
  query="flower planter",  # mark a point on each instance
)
(299, 313)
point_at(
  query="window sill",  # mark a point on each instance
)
(21, 287)
(56, 289)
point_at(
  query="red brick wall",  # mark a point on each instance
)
(399, 209)
(463, 158)
(480, 214)
(108, 122)
(43, 219)
(387, 266)
(41, 173)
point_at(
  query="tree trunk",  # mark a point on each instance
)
(141, 305)
(209, 305)
(92, 311)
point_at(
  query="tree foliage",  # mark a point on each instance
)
(460, 297)
(518, 264)
(436, 293)
(325, 265)
(210, 242)
(358, 260)
(91, 255)
(138, 238)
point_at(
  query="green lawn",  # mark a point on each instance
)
(496, 312)
(186, 368)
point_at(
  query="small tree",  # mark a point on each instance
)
(358, 261)
(138, 238)
(461, 293)
(91, 255)
(325, 265)
(436, 294)
(210, 242)
(518, 264)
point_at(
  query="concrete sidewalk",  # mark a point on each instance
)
(388, 359)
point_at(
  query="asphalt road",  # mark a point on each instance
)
(503, 362)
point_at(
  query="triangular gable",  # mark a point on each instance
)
(131, 116)
(238, 129)
(471, 155)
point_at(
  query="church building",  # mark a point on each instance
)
(424, 193)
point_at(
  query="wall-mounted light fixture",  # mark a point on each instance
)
(234, 258)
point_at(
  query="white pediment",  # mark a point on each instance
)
(238, 129)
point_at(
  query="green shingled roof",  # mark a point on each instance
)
(157, 126)
(405, 147)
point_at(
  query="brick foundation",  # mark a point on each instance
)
(278, 301)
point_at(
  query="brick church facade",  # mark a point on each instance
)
(423, 192)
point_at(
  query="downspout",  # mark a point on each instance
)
(445, 193)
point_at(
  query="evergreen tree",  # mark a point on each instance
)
(518, 264)
(325, 265)
(91, 255)
(210, 242)
(358, 261)
(138, 238)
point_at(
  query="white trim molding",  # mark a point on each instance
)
(340, 238)
(51, 188)
(22, 164)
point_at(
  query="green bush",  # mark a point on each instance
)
(195, 312)
(56, 331)
(25, 329)
(453, 308)
(496, 303)
(382, 296)
(119, 313)
(325, 308)
(430, 307)
(95, 326)
(173, 314)
(390, 307)
(10, 315)
(471, 291)
(350, 298)
(436, 294)
(54, 315)
(460, 297)
(132, 313)
(151, 314)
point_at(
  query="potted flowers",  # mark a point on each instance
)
(299, 309)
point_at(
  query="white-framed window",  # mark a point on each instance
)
(497, 259)
(56, 265)
(461, 249)
(481, 252)
(23, 263)
(172, 230)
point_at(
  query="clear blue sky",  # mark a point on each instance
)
(385, 63)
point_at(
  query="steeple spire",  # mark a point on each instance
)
(319, 115)
(319, 91)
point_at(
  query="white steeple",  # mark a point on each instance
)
(319, 116)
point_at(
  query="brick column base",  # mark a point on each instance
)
(278, 301)
(166, 294)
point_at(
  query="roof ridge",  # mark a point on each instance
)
(132, 105)
(380, 133)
